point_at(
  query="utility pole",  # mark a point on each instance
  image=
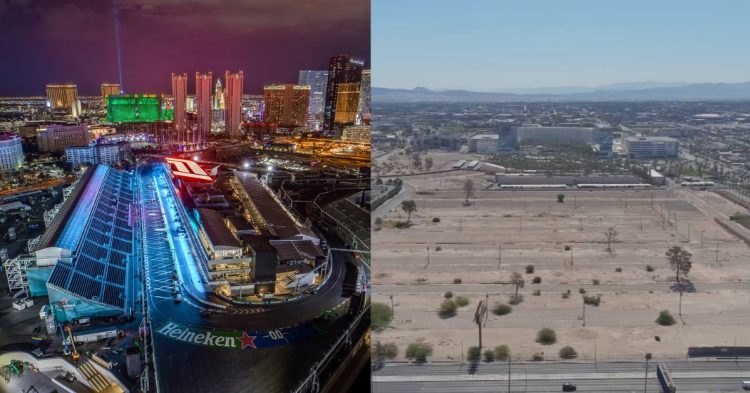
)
(717, 251)
(391, 306)
(584, 309)
(499, 255)
(428, 257)
(508, 374)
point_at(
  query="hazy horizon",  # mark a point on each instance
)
(551, 44)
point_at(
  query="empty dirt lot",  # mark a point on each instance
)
(501, 232)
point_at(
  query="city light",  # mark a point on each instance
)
(246, 165)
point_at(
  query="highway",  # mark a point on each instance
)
(540, 377)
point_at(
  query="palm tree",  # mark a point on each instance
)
(409, 207)
(679, 261)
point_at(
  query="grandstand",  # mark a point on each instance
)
(88, 247)
(267, 211)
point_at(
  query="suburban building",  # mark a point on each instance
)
(655, 147)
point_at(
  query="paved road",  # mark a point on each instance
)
(394, 203)
(690, 376)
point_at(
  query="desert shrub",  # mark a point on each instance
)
(592, 300)
(456, 280)
(473, 354)
(403, 224)
(536, 280)
(516, 299)
(566, 295)
(378, 221)
(595, 281)
(419, 351)
(618, 270)
(649, 268)
(546, 336)
(448, 295)
(502, 352)
(537, 292)
(567, 248)
(502, 309)
(537, 357)
(489, 356)
(447, 309)
(387, 350)
(461, 301)
(436, 219)
(381, 315)
(665, 318)
(581, 290)
(568, 353)
(529, 269)
(438, 248)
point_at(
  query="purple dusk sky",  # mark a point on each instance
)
(47, 41)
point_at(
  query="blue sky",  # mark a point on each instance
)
(507, 44)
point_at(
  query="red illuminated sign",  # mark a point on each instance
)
(188, 170)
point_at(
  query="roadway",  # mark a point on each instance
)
(395, 202)
(539, 377)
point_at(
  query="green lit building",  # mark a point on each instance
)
(132, 108)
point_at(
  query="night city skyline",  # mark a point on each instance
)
(75, 42)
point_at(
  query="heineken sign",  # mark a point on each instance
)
(232, 339)
(205, 337)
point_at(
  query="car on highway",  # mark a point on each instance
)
(569, 387)
(745, 385)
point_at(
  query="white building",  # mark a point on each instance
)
(484, 144)
(655, 147)
(556, 135)
(96, 153)
(11, 152)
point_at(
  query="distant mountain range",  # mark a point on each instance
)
(639, 91)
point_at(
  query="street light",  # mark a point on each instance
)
(645, 378)
(246, 165)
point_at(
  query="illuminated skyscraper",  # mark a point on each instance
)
(179, 95)
(203, 106)
(218, 95)
(364, 94)
(347, 102)
(11, 152)
(286, 105)
(233, 103)
(317, 80)
(109, 89)
(63, 97)
(343, 72)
